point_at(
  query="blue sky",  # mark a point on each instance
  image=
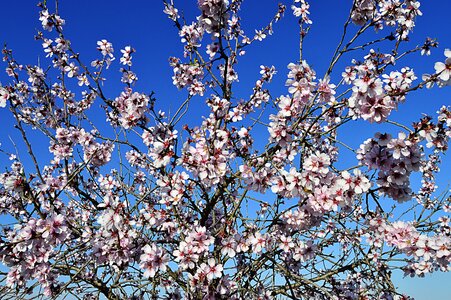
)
(141, 24)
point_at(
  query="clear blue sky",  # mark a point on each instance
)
(141, 24)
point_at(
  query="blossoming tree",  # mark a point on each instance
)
(149, 208)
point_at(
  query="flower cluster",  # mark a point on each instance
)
(49, 21)
(371, 99)
(153, 259)
(214, 15)
(66, 139)
(160, 140)
(428, 252)
(31, 250)
(188, 75)
(392, 13)
(130, 108)
(395, 159)
(302, 11)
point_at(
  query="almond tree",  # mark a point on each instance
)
(136, 205)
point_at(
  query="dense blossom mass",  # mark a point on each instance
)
(253, 202)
